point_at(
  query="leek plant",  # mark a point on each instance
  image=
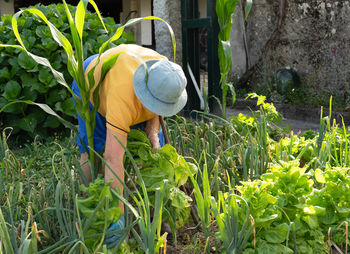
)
(332, 143)
(8, 243)
(233, 235)
(202, 198)
(13, 194)
(255, 156)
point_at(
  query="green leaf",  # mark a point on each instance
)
(49, 44)
(311, 221)
(178, 198)
(45, 76)
(267, 219)
(329, 218)
(4, 73)
(54, 96)
(26, 62)
(314, 210)
(28, 123)
(80, 17)
(268, 248)
(343, 210)
(28, 94)
(43, 31)
(277, 234)
(248, 7)
(319, 176)
(33, 83)
(12, 90)
(51, 122)
(67, 107)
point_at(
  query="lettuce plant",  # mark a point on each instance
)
(164, 163)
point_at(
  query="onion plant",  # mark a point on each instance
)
(233, 233)
(12, 195)
(28, 244)
(202, 198)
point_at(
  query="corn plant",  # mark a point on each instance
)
(75, 63)
(225, 10)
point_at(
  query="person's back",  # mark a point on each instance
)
(118, 102)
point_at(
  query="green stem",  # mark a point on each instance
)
(90, 137)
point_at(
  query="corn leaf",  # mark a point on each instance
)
(80, 17)
(46, 108)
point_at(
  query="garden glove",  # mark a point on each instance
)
(113, 239)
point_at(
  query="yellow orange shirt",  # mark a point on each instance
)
(118, 102)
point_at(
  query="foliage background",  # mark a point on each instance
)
(21, 78)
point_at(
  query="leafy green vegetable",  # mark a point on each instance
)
(98, 192)
(164, 163)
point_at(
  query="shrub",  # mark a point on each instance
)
(21, 78)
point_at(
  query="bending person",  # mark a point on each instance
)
(126, 100)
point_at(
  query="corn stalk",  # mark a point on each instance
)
(225, 10)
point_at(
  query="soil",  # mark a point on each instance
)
(191, 240)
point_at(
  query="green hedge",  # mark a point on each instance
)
(21, 78)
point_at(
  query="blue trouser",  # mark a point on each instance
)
(100, 127)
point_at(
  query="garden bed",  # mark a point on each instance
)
(295, 188)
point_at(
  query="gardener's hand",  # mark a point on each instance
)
(113, 239)
(152, 129)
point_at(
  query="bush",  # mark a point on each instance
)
(21, 78)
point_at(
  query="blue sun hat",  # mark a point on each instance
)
(165, 91)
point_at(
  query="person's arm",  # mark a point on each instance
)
(114, 154)
(152, 130)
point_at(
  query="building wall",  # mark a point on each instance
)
(170, 11)
(7, 7)
(135, 9)
(314, 40)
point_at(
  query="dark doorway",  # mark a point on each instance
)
(108, 8)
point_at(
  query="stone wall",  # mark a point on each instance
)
(170, 11)
(314, 40)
